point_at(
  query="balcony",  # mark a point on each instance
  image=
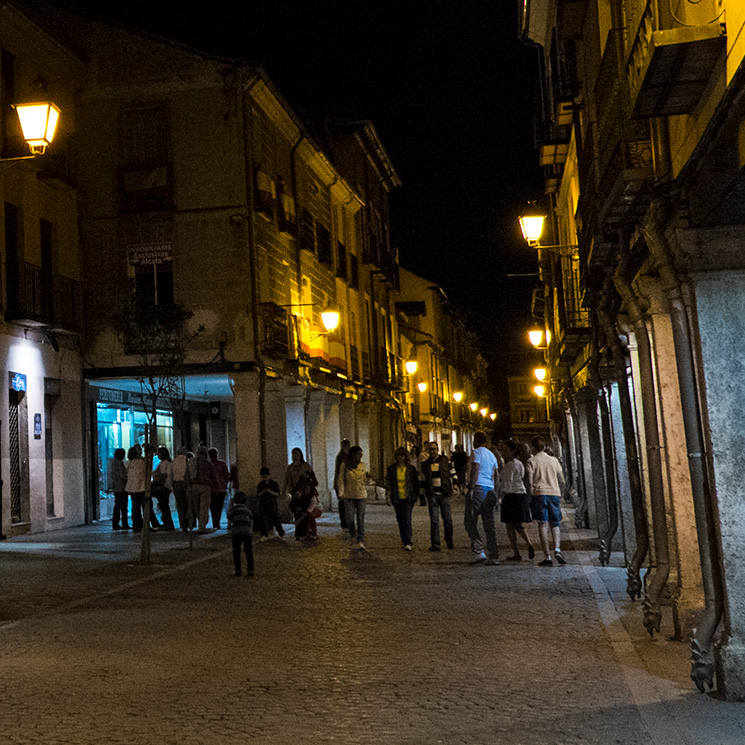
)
(669, 70)
(36, 299)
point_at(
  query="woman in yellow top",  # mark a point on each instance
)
(402, 485)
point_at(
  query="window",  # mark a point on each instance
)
(354, 271)
(306, 231)
(323, 244)
(341, 260)
(154, 284)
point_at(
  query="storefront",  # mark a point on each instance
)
(119, 417)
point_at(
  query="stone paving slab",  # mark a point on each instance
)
(331, 645)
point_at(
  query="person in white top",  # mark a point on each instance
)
(515, 501)
(546, 485)
(481, 500)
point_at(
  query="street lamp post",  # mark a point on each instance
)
(38, 124)
(531, 225)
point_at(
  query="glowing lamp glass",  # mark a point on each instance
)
(532, 227)
(422, 386)
(411, 366)
(493, 415)
(38, 122)
(457, 397)
(483, 412)
(473, 406)
(330, 319)
(536, 337)
(540, 373)
(540, 390)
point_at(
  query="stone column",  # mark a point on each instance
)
(317, 443)
(333, 441)
(626, 538)
(720, 313)
(247, 427)
(277, 454)
(592, 458)
(685, 580)
(295, 420)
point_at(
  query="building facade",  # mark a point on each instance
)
(642, 119)
(168, 264)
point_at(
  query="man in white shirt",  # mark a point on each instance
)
(481, 500)
(546, 485)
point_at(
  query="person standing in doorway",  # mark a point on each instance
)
(118, 487)
(437, 482)
(352, 478)
(546, 485)
(341, 456)
(222, 477)
(481, 500)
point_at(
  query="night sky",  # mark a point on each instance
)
(451, 91)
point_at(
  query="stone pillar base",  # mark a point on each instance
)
(731, 667)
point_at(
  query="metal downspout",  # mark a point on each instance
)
(658, 574)
(702, 663)
(641, 527)
(611, 493)
(248, 161)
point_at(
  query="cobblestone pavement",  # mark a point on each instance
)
(330, 645)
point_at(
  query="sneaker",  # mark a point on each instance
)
(559, 557)
(478, 558)
(434, 548)
(408, 547)
(361, 546)
(546, 563)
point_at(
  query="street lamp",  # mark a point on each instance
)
(493, 415)
(330, 318)
(411, 366)
(540, 373)
(38, 124)
(422, 386)
(536, 337)
(531, 225)
(457, 396)
(473, 406)
(483, 411)
(540, 390)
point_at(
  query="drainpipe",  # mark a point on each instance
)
(245, 110)
(641, 527)
(611, 494)
(702, 664)
(657, 576)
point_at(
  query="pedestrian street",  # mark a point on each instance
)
(331, 645)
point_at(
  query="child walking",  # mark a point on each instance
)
(241, 526)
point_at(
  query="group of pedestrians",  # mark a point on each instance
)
(198, 481)
(524, 481)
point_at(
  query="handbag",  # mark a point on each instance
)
(315, 510)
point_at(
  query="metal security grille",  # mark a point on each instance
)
(15, 460)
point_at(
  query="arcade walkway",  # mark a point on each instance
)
(327, 645)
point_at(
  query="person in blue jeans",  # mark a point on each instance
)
(402, 483)
(481, 501)
(546, 485)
